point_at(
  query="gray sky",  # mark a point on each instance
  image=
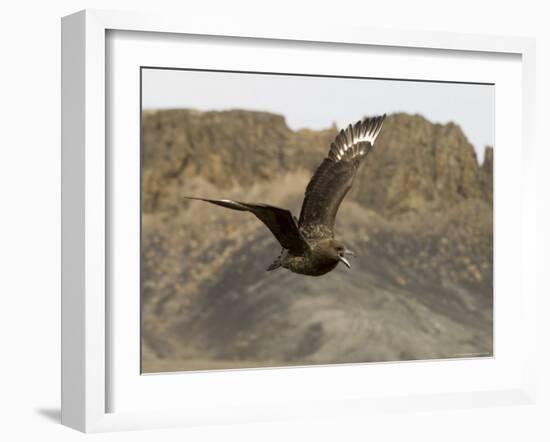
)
(316, 102)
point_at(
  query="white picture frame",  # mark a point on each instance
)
(87, 319)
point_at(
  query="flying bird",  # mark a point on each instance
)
(308, 244)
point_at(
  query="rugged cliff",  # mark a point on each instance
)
(418, 164)
(419, 218)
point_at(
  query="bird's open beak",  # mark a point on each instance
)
(345, 261)
(348, 252)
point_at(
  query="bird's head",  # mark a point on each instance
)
(339, 252)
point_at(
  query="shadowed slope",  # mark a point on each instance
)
(420, 223)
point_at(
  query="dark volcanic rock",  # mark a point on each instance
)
(419, 218)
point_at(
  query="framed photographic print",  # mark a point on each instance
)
(418, 283)
(261, 223)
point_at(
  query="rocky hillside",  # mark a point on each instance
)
(419, 219)
(418, 164)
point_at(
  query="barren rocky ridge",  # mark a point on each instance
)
(419, 218)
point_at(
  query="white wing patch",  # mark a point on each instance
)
(356, 140)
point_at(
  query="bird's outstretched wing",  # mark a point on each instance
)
(280, 221)
(334, 177)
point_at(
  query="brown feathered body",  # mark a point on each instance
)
(308, 244)
(322, 258)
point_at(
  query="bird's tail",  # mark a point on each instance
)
(274, 266)
(277, 263)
